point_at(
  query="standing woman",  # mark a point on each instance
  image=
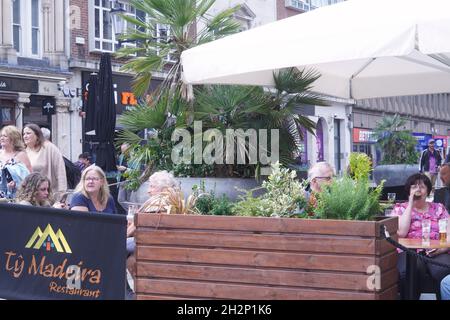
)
(14, 162)
(92, 193)
(45, 157)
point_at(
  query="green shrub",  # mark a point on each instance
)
(348, 199)
(208, 204)
(285, 196)
(360, 166)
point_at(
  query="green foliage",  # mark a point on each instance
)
(285, 196)
(360, 166)
(209, 204)
(249, 205)
(398, 146)
(348, 199)
(250, 107)
(181, 16)
(219, 107)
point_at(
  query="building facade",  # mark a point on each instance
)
(33, 61)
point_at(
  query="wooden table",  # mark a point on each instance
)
(417, 244)
(411, 260)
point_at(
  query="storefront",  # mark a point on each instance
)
(364, 141)
(123, 97)
(10, 97)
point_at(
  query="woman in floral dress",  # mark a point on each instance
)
(411, 214)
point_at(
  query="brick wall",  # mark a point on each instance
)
(283, 12)
(79, 51)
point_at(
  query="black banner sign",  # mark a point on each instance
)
(48, 253)
(19, 85)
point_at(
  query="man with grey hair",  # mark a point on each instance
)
(46, 133)
(319, 174)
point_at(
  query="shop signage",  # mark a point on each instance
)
(441, 143)
(58, 254)
(19, 85)
(363, 136)
(123, 94)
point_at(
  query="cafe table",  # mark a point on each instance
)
(411, 260)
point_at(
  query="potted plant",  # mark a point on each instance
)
(269, 254)
(399, 155)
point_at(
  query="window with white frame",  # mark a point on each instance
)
(102, 37)
(163, 35)
(26, 25)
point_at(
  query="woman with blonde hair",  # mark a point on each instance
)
(35, 190)
(14, 162)
(92, 193)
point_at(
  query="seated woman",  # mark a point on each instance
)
(160, 183)
(92, 193)
(35, 191)
(411, 214)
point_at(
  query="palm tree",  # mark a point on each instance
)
(181, 19)
(250, 107)
(398, 145)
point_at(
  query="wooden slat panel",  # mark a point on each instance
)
(255, 258)
(388, 294)
(285, 225)
(247, 292)
(383, 247)
(389, 279)
(388, 261)
(221, 239)
(345, 281)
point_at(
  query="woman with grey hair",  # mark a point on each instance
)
(160, 183)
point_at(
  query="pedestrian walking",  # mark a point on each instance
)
(430, 162)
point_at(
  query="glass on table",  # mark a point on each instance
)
(132, 209)
(426, 230)
(443, 230)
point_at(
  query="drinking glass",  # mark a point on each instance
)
(391, 196)
(132, 209)
(443, 230)
(426, 230)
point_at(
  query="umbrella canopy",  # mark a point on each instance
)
(91, 103)
(362, 48)
(105, 119)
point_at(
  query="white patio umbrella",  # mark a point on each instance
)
(362, 48)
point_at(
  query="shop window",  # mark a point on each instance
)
(7, 114)
(35, 113)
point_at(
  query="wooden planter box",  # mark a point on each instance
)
(220, 257)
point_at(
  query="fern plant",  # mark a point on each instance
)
(348, 199)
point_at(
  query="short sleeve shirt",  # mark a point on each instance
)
(435, 213)
(80, 200)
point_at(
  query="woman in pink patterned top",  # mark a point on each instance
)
(410, 215)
